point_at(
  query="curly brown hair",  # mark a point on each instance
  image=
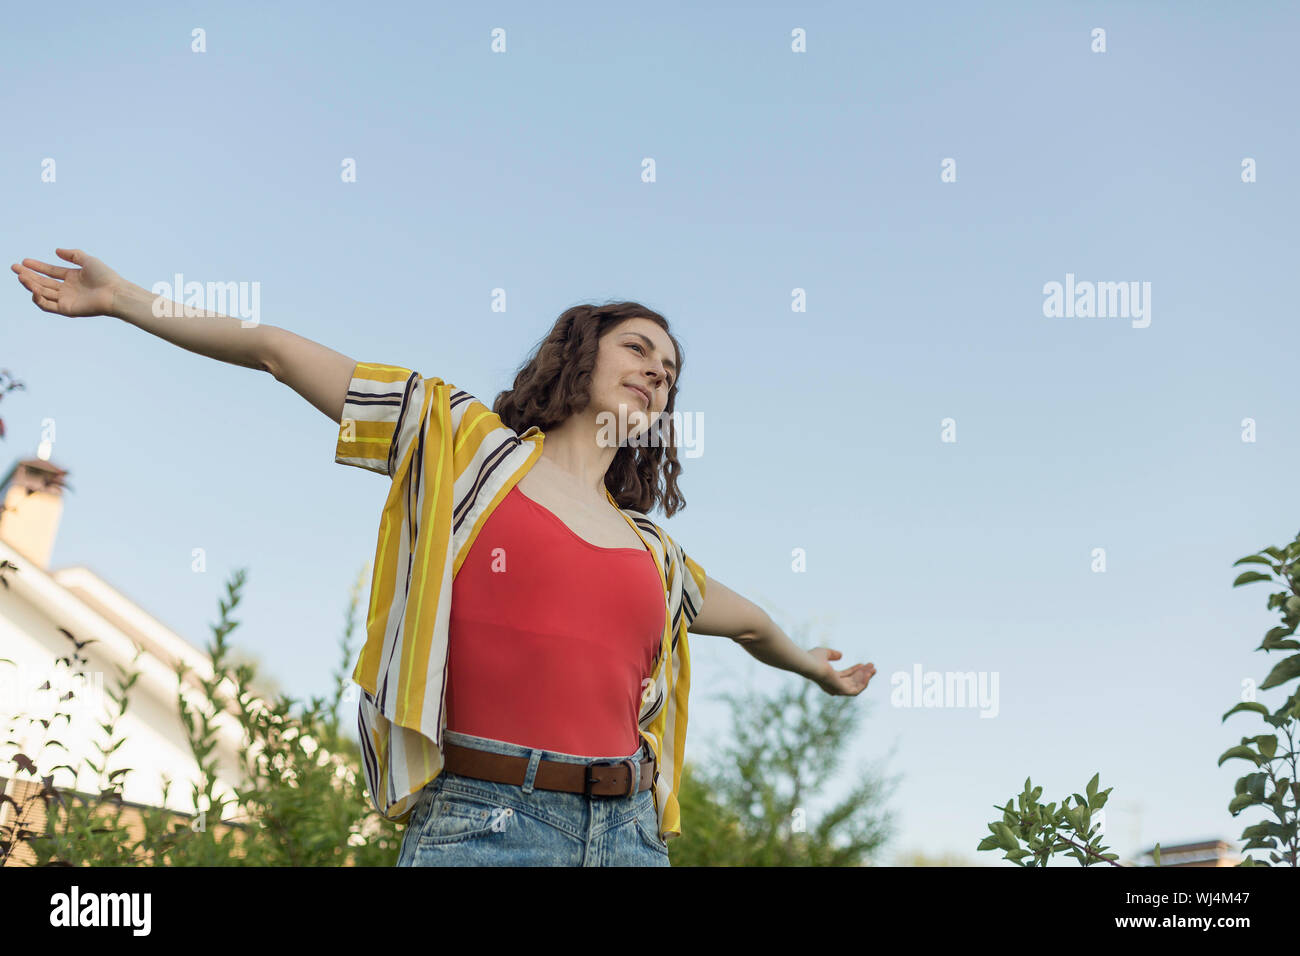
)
(556, 382)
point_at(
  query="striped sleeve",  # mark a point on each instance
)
(692, 588)
(381, 417)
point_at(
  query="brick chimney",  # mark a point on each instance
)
(31, 496)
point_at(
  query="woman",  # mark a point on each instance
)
(526, 672)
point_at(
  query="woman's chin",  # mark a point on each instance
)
(632, 417)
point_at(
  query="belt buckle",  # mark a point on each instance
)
(633, 780)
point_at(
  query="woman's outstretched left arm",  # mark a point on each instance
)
(726, 614)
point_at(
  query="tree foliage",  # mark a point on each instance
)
(298, 802)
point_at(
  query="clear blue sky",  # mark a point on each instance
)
(775, 171)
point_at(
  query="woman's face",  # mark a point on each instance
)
(637, 352)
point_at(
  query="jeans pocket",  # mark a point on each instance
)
(647, 824)
(454, 816)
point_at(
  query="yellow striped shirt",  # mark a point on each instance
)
(452, 460)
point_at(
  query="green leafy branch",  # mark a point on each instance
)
(1262, 749)
(1050, 829)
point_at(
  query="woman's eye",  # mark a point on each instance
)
(641, 351)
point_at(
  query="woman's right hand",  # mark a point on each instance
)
(72, 292)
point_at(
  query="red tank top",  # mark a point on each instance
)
(551, 636)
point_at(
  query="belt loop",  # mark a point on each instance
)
(534, 758)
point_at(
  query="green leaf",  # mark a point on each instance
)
(1253, 559)
(1006, 839)
(1280, 555)
(1251, 705)
(1267, 744)
(1092, 786)
(1255, 784)
(1256, 830)
(1273, 640)
(1287, 645)
(1285, 670)
(1243, 752)
(1246, 577)
(1156, 853)
(1241, 802)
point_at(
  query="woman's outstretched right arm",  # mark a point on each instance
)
(318, 374)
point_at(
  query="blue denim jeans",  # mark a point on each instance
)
(463, 821)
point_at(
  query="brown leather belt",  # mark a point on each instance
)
(600, 778)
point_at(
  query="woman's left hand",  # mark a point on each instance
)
(848, 683)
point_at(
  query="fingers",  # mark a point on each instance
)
(59, 272)
(45, 292)
(46, 300)
(858, 676)
(37, 283)
(43, 301)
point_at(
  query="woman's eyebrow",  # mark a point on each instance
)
(668, 363)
